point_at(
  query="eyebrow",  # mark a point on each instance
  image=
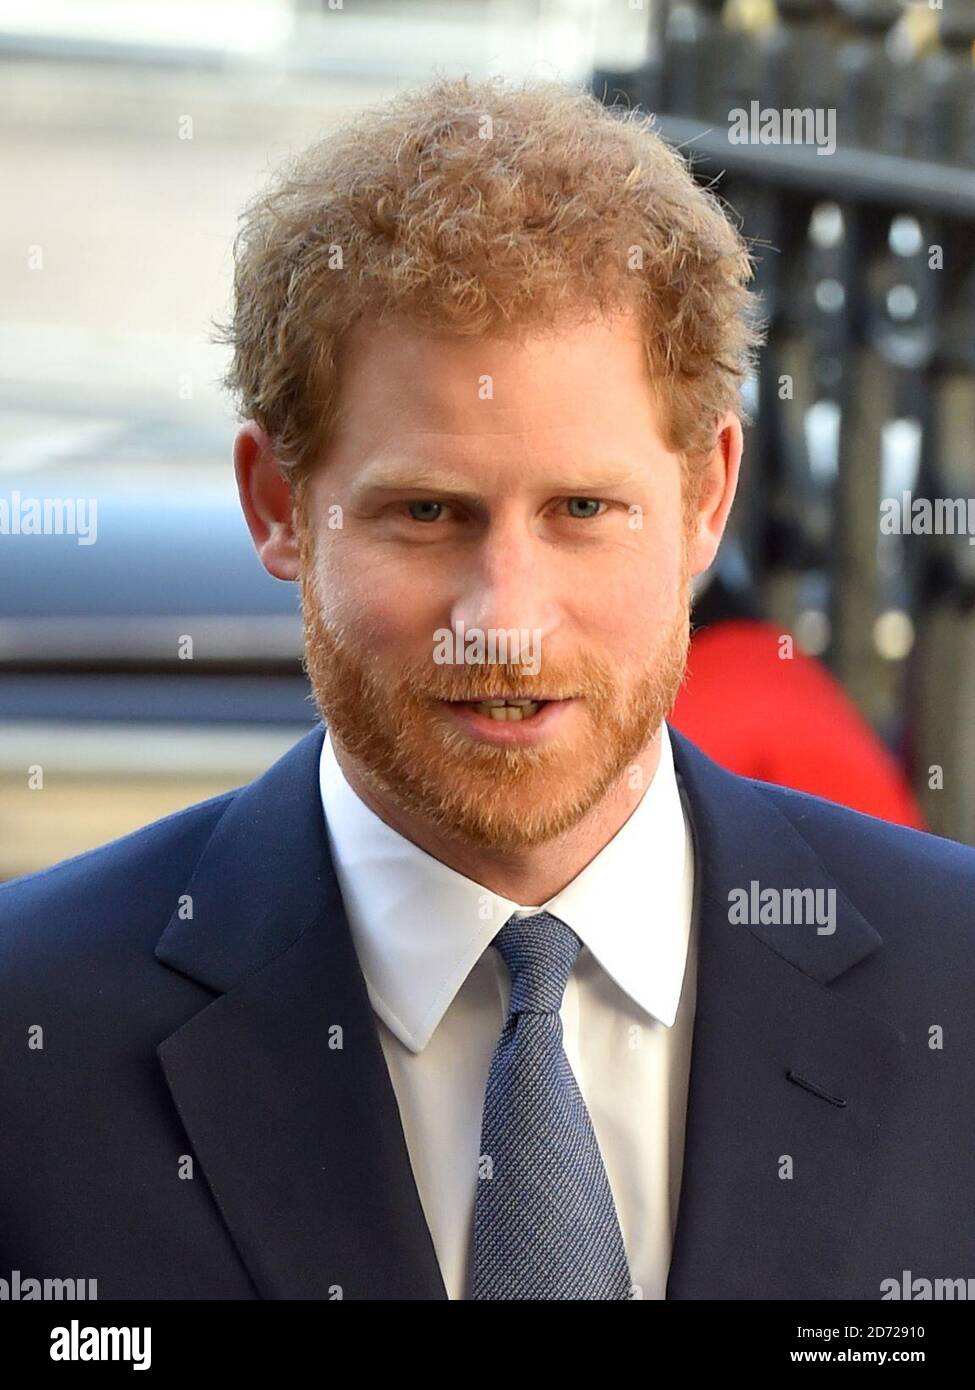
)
(446, 484)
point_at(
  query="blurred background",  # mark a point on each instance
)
(160, 665)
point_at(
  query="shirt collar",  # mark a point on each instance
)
(419, 926)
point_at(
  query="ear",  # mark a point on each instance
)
(266, 498)
(719, 482)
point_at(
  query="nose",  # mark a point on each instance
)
(509, 583)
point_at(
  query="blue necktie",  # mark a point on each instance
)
(545, 1225)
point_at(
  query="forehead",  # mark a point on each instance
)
(564, 374)
(559, 410)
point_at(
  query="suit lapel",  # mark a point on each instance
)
(280, 1081)
(764, 1015)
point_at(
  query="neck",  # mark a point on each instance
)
(531, 876)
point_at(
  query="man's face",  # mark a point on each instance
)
(486, 487)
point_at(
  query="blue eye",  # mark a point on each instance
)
(586, 502)
(421, 505)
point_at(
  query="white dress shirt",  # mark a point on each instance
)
(423, 936)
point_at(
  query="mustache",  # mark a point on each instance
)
(421, 681)
(501, 683)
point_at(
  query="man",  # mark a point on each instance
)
(468, 999)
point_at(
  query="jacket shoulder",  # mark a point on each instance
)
(896, 874)
(830, 823)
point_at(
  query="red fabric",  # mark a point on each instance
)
(786, 721)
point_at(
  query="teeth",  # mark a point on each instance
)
(513, 710)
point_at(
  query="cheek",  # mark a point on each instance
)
(630, 600)
(341, 600)
(379, 614)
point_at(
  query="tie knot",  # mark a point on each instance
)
(539, 952)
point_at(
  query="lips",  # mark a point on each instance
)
(508, 700)
(511, 709)
(513, 722)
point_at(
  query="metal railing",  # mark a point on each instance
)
(857, 509)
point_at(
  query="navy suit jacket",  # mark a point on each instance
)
(212, 1038)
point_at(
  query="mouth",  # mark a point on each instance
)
(513, 722)
(510, 711)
